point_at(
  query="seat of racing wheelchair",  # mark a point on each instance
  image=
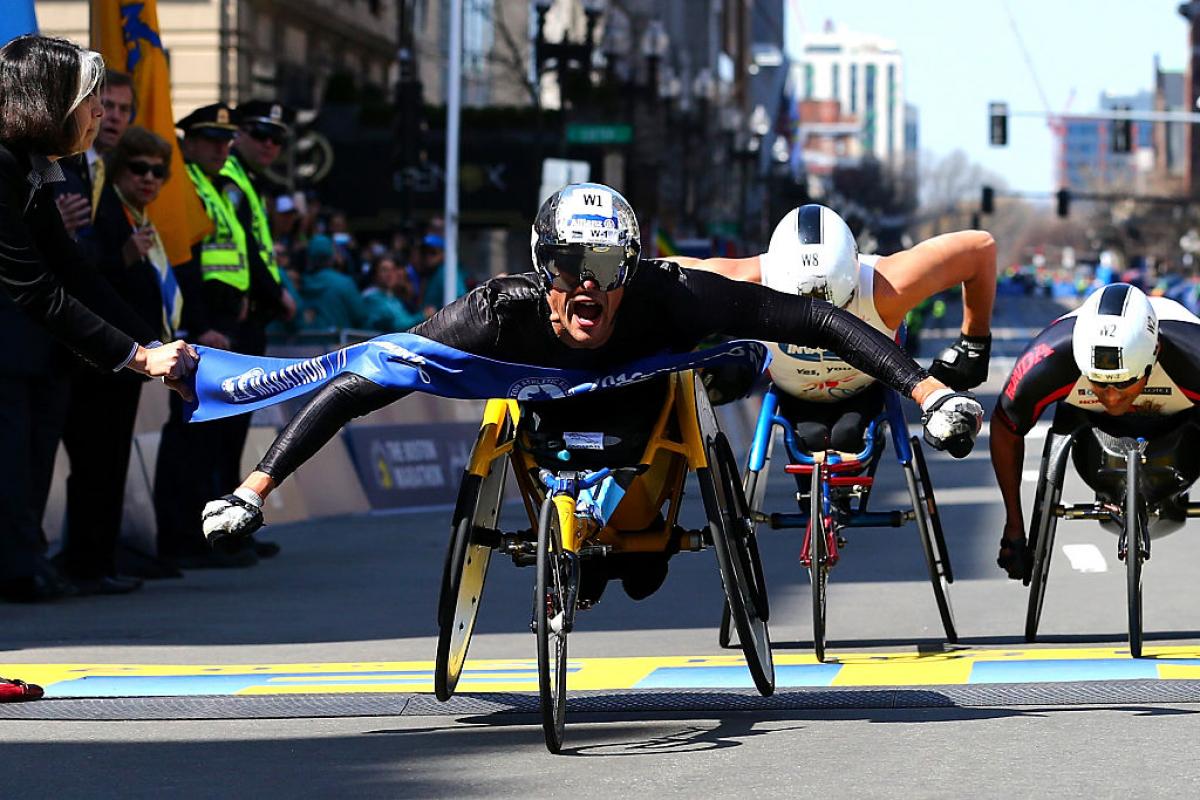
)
(607, 428)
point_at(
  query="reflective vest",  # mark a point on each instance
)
(234, 170)
(223, 253)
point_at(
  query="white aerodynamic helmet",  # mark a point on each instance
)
(813, 253)
(1116, 335)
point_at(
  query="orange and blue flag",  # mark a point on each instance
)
(126, 33)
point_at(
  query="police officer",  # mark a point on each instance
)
(264, 129)
(226, 287)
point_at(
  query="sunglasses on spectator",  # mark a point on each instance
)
(267, 135)
(140, 168)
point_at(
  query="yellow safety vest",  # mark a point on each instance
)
(223, 253)
(234, 170)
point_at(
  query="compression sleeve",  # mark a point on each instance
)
(748, 310)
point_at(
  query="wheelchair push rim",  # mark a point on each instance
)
(465, 572)
(932, 544)
(549, 612)
(1042, 527)
(737, 558)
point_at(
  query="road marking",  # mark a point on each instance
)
(953, 666)
(1085, 557)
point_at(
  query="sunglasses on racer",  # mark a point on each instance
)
(1111, 358)
(566, 266)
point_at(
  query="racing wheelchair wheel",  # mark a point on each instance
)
(737, 558)
(929, 527)
(818, 554)
(475, 515)
(550, 616)
(755, 488)
(1135, 551)
(1042, 526)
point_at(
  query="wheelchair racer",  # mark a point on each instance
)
(813, 253)
(593, 302)
(1122, 362)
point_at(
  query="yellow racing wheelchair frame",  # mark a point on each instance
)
(573, 521)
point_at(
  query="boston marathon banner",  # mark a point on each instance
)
(228, 384)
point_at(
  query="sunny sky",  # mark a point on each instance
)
(961, 54)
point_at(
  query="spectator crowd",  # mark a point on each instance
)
(277, 263)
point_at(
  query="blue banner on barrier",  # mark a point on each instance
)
(410, 466)
(228, 384)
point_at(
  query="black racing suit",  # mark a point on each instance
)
(664, 309)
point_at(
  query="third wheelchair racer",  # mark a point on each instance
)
(1123, 363)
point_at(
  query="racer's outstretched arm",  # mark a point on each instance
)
(935, 265)
(736, 308)
(465, 324)
(1008, 455)
(737, 269)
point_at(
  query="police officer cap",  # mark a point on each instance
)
(267, 112)
(217, 121)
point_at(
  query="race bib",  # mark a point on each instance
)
(583, 441)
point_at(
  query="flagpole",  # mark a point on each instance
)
(453, 109)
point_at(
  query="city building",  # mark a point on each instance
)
(1170, 138)
(865, 74)
(1086, 161)
(235, 50)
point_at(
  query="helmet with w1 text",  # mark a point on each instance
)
(813, 253)
(585, 231)
(1116, 335)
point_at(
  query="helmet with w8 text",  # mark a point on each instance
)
(813, 253)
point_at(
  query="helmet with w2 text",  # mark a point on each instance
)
(813, 253)
(1115, 340)
(585, 231)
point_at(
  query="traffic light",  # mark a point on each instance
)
(987, 203)
(1121, 133)
(1064, 202)
(998, 115)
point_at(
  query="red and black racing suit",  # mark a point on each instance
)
(1046, 373)
(664, 309)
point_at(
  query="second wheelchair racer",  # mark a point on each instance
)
(813, 253)
(1122, 362)
(592, 302)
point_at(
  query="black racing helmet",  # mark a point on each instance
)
(582, 231)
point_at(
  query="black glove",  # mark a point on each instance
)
(964, 364)
(951, 421)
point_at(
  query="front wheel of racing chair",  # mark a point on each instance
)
(1043, 524)
(473, 535)
(1136, 549)
(733, 539)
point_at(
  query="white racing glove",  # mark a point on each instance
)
(232, 518)
(952, 420)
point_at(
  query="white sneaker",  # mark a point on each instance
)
(230, 517)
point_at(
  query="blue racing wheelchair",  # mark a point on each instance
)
(834, 490)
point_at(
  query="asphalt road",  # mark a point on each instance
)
(364, 589)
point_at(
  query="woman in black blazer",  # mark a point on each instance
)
(49, 108)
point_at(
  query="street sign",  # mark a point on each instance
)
(580, 133)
